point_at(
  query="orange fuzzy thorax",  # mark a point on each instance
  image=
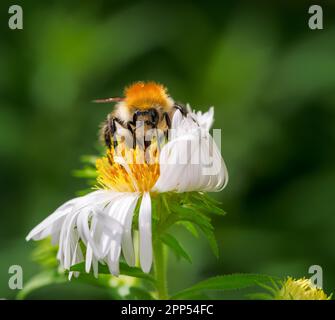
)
(143, 95)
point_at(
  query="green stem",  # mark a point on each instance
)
(160, 270)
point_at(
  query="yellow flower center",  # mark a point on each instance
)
(301, 289)
(126, 169)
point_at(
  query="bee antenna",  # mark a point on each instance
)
(107, 100)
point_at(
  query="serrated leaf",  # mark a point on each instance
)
(189, 226)
(224, 283)
(185, 213)
(176, 247)
(189, 214)
(210, 199)
(212, 241)
(204, 203)
(124, 270)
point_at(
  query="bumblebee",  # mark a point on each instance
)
(146, 106)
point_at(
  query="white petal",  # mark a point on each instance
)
(43, 229)
(70, 241)
(205, 120)
(144, 223)
(75, 221)
(191, 161)
(49, 225)
(122, 211)
(77, 257)
(116, 220)
(95, 267)
(127, 241)
(113, 265)
(109, 227)
(89, 250)
(83, 225)
(102, 220)
(89, 258)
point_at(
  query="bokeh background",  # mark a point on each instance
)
(270, 78)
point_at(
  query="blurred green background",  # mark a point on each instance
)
(270, 78)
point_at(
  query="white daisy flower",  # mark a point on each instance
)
(102, 219)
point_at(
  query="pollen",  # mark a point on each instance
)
(144, 95)
(128, 170)
(300, 289)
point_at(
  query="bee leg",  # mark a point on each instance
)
(115, 142)
(167, 119)
(106, 133)
(154, 117)
(130, 128)
(147, 144)
(153, 122)
(110, 130)
(131, 124)
(107, 136)
(113, 131)
(137, 113)
(181, 108)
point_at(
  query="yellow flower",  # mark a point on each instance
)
(138, 171)
(300, 289)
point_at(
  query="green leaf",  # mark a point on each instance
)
(86, 172)
(212, 241)
(83, 192)
(224, 283)
(89, 171)
(124, 270)
(176, 247)
(260, 296)
(103, 281)
(41, 280)
(89, 159)
(204, 203)
(189, 226)
(45, 254)
(185, 213)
